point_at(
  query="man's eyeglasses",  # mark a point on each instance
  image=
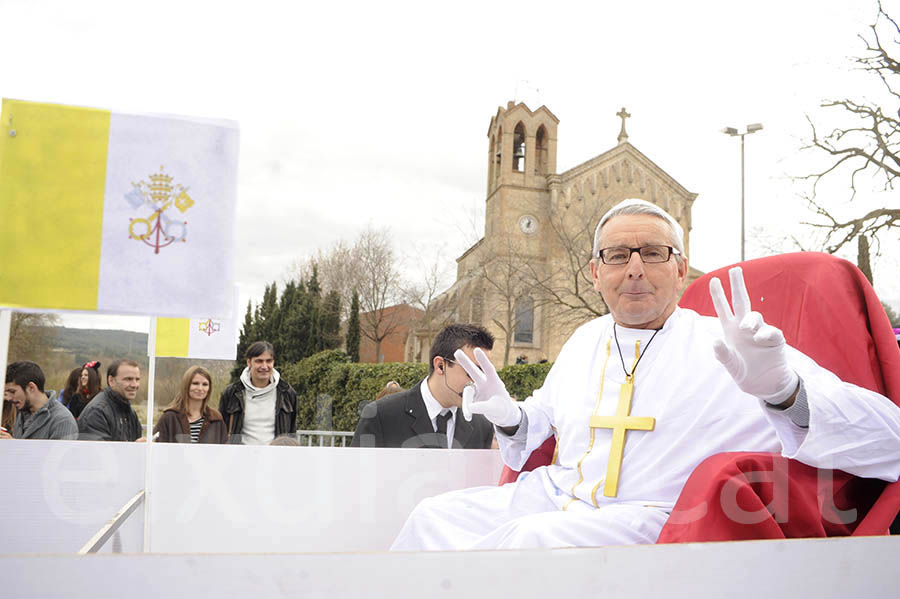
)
(650, 254)
(452, 361)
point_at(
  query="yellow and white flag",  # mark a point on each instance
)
(198, 338)
(116, 213)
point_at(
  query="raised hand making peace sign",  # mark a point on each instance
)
(752, 351)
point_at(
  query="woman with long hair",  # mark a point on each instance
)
(71, 388)
(8, 418)
(88, 387)
(189, 418)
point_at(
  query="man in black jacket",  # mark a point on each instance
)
(109, 415)
(261, 406)
(427, 415)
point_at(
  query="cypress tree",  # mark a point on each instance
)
(314, 342)
(268, 316)
(353, 329)
(331, 320)
(244, 340)
(295, 327)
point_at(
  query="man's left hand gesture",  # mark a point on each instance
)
(752, 351)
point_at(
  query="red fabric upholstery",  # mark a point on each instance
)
(738, 496)
(542, 456)
(828, 310)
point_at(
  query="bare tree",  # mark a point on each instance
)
(506, 279)
(338, 268)
(379, 285)
(468, 220)
(31, 335)
(864, 149)
(565, 284)
(368, 265)
(766, 241)
(424, 290)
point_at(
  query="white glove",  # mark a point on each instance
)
(753, 351)
(488, 395)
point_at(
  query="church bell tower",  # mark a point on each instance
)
(521, 155)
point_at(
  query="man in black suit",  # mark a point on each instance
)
(428, 415)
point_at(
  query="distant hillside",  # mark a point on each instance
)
(88, 343)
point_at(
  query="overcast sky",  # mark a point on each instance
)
(377, 112)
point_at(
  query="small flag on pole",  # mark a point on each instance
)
(198, 338)
(116, 213)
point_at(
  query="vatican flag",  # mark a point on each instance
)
(116, 213)
(197, 338)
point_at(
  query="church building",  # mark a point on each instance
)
(528, 279)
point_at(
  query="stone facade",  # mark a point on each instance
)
(528, 279)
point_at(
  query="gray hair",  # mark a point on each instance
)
(636, 206)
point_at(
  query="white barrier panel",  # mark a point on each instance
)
(55, 495)
(216, 499)
(815, 568)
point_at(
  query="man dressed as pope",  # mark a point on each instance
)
(639, 397)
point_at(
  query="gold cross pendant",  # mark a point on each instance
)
(620, 423)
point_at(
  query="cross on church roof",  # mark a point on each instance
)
(623, 114)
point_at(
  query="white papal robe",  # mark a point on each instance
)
(699, 411)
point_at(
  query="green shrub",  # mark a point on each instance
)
(332, 391)
(351, 386)
(522, 379)
(307, 377)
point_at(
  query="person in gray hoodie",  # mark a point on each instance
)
(261, 406)
(37, 416)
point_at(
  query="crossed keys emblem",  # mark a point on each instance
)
(158, 230)
(209, 326)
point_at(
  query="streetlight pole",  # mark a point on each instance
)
(752, 128)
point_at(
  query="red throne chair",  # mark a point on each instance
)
(829, 311)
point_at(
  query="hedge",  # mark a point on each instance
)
(332, 391)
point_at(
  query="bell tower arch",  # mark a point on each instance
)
(521, 147)
(521, 156)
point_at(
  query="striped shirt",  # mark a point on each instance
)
(196, 425)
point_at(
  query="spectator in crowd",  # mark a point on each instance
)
(389, 389)
(37, 417)
(71, 387)
(426, 415)
(8, 418)
(521, 359)
(109, 415)
(88, 388)
(285, 441)
(189, 418)
(261, 405)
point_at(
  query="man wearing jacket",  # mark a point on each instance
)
(109, 415)
(427, 415)
(261, 406)
(38, 416)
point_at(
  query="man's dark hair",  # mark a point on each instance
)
(455, 336)
(22, 373)
(113, 368)
(258, 349)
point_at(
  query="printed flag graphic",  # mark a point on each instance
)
(198, 338)
(117, 213)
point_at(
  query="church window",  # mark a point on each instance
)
(492, 166)
(540, 152)
(524, 320)
(519, 148)
(498, 154)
